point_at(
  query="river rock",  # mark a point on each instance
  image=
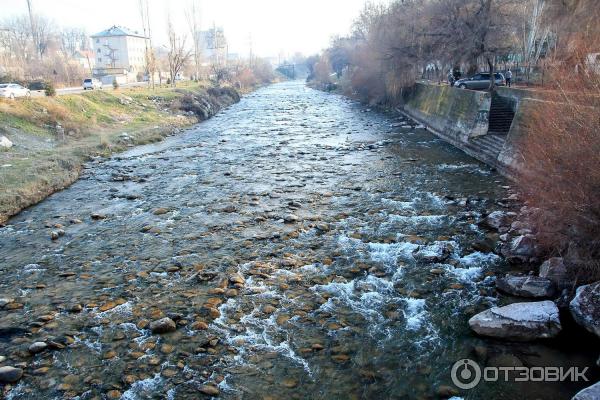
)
(497, 219)
(526, 286)
(209, 390)
(10, 374)
(290, 218)
(163, 325)
(555, 270)
(589, 393)
(37, 347)
(518, 321)
(5, 143)
(585, 307)
(237, 278)
(522, 248)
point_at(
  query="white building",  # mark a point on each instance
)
(213, 46)
(119, 54)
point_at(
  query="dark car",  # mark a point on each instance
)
(37, 85)
(480, 81)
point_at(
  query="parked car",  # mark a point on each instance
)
(92, 83)
(37, 85)
(480, 81)
(13, 90)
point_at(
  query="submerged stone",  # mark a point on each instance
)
(163, 325)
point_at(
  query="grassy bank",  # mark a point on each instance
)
(54, 136)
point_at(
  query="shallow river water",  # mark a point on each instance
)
(307, 247)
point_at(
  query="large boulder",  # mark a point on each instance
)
(585, 307)
(589, 393)
(526, 286)
(555, 270)
(518, 321)
(5, 143)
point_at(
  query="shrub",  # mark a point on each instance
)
(561, 155)
(50, 90)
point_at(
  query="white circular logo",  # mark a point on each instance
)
(466, 374)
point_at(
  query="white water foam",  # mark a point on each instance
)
(390, 253)
(143, 389)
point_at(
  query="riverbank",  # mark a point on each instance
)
(52, 137)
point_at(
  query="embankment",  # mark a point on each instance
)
(53, 137)
(484, 125)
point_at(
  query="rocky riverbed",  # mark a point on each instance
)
(297, 245)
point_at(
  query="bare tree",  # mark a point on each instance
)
(41, 30)
(192, 15)
(71, 40)
(149, 56)
(18, 38)
(474, 29)
(177, 55)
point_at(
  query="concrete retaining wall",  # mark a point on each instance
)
(456, 114)
(461, 117)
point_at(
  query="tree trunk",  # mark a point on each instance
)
(492, 65)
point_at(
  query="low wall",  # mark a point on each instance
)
(461, 117)
(456, 114)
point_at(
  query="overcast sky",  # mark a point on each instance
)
(275, 26)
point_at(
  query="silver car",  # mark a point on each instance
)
(13, 90)
(480, 81)
(91, 84)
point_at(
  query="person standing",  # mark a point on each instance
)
(508, 77)
(451, 78)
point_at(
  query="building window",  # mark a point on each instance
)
(99, 59)
(97, 40)
(99, 51)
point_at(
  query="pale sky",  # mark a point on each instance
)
(275, 26)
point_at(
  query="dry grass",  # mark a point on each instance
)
(42, 162)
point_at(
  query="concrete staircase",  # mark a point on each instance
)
(501, 115)
(486, 148)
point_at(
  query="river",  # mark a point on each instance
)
(305, 245)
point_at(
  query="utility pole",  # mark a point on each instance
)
(250, 55)
(34, 31)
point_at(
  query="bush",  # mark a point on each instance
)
(49, 89)
(561, 155)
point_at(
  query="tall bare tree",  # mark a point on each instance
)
(71, 40)
(474, 29)
(149, 56)
(192, 15)
(41, 30)
(178, 55)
